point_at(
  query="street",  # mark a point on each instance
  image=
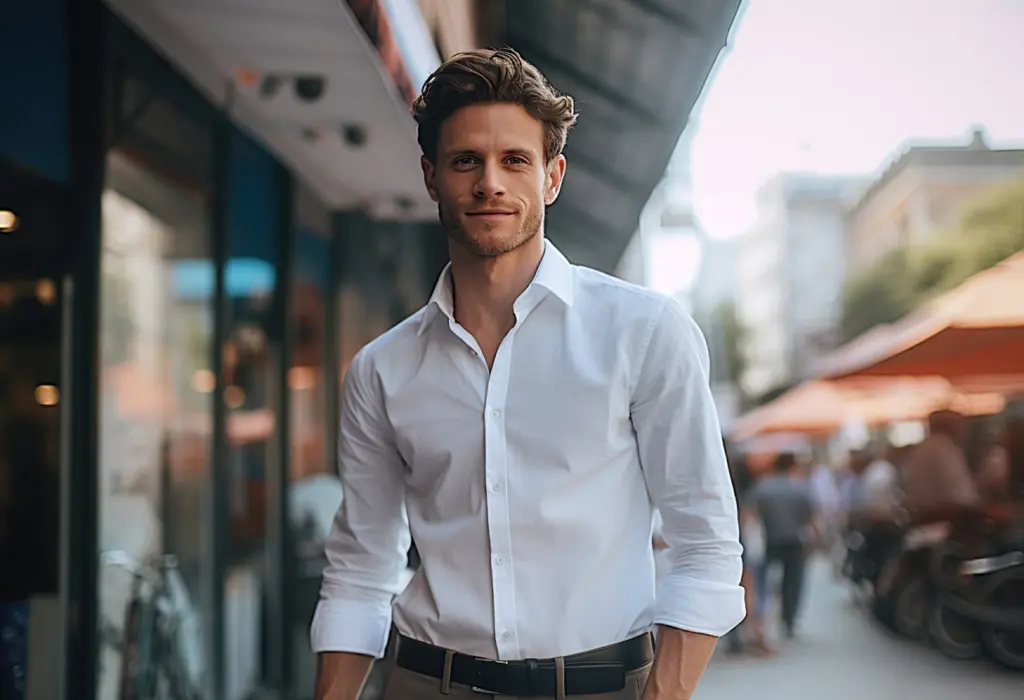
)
(839, 654)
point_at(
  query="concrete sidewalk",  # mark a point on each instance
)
(840, 654)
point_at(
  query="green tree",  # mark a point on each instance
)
(991, 229)
(732, 337)
(880, 294)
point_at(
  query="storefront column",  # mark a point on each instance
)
(281, 558)
(332, 339)
(218, 501)
(81, 356)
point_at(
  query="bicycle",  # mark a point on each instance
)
(156, 623)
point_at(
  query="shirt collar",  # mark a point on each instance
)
(554, 274)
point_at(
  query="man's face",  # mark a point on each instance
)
(490, 181)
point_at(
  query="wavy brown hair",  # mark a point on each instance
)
(491, 75)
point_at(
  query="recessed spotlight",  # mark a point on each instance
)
(269, 86)
(8, 221)
(309, 88)
(354, 135)
(46, 291)
(47, 395)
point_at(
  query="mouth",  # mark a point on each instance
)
(489, 213)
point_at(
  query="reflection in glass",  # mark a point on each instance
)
(30, 348)
(155, 426)
(315, 491)
(250, 390)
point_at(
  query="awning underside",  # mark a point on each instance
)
(635, 69)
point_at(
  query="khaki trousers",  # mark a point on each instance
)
(406, 685)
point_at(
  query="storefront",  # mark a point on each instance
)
(177, 308)
(188, 263)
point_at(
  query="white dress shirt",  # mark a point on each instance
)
(528, 487)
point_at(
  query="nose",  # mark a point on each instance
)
(490, 183)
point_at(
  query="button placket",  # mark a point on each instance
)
(498, 523)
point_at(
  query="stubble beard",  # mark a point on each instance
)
(490, 246)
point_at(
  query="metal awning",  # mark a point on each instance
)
(635, 69)
(354, 142)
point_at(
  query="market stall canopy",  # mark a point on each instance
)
(976, 329)
(823, 407)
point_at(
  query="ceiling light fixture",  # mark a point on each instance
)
(269, 86)
(354, 135)
(9, 221)
(310, 88)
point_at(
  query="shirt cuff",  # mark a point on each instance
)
(351, 626)
(704, 607)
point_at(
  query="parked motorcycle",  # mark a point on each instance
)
(955, 634)
(867, 550)
(1004, 636)
(904, 591)
(979, 601)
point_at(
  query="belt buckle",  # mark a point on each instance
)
(485, 691)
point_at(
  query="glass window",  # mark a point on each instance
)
(34, 120)
(308, 327)
(155, 418)
(250, 381)
(31, 424)
(315, 491)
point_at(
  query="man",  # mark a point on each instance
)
(829, 506)
(938, 483)
(785, 505)
(521, 424)
(879, 485)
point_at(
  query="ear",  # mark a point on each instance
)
(429, 173)
(553, 179)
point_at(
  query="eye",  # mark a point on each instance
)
(516, 160)
(464, 161)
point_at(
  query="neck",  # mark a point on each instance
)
(486, 288)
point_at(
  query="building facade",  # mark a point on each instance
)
(790, 278)
(923, 191)
(183, 279)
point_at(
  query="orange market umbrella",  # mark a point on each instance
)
(975, 329)
(822, 407)
(1008, 385)
(812, 407)
(913, 399)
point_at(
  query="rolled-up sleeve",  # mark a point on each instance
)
(683, 460)
(369, 540)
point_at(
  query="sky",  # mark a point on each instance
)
(837, 86)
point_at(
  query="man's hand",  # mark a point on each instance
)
(678, 663)
(340, 676)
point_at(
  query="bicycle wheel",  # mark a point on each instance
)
(173, 678)
(138, 677)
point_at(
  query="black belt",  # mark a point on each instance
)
(602, 670)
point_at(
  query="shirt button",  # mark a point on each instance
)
(496, 486)
(499, 560)
(495, 413)
(505, 636)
